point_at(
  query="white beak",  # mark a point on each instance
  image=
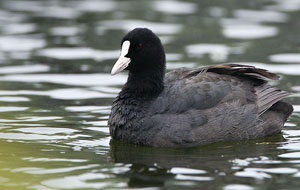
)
(123, 61)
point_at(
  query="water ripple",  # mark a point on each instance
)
(249, 31)
(13, 99)
(260, 15)
(286, 58)
(82, 181)
(24, 69)
(175, 7)
(32, 137)
(12, 109)
(46, 130)
(78, 53)
(42, 171)
(32, 159)
(176, 170)
(127, 25)
(13, 43)
(19, 28)
(66, 79)
(238, 187)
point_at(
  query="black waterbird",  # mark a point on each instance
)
(190, 107)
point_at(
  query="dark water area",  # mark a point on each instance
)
(56, 92)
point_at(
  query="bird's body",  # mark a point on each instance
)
(191, 107)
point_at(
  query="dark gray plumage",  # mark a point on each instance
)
(191, 107)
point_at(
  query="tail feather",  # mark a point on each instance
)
(267, 96)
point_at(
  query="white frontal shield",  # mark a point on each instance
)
(123, 61)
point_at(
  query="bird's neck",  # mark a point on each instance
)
(144, 85)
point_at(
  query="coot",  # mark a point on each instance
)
(190, 107)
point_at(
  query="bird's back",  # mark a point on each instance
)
(207, 105)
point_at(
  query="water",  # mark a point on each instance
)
(56, 93)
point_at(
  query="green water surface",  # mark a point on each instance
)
(56, 93)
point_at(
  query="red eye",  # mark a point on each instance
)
(139, 46)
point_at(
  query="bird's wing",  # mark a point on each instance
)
(206, 87)
(266, 95)
(224, 96)
(245, 72)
